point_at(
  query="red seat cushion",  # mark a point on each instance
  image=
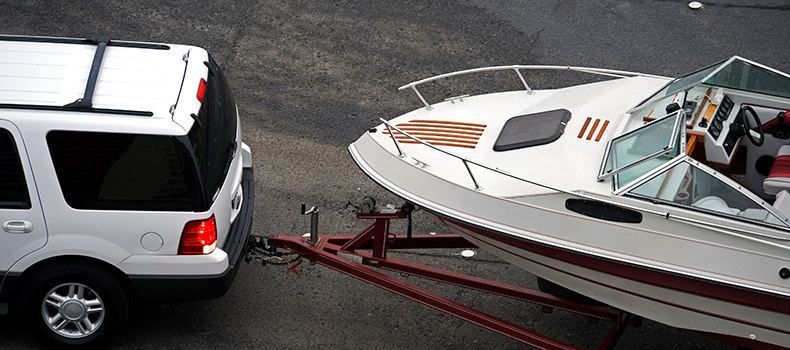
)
(781, 167)
(779, 176)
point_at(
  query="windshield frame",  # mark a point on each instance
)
(678, 115)
(626, 192)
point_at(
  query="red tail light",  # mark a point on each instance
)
(201, 90)
(199, 237)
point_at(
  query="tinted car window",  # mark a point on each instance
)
(13, 188)
(119, 171)
(214, 139)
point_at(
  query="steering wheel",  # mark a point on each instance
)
(748, 131)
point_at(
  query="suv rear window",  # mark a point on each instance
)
(213, 139)
(114, 171)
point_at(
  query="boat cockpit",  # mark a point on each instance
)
(684, 145)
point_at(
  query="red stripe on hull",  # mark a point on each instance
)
(651, 277)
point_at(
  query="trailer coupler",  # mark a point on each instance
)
(258, 250)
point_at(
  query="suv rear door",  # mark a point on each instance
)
(23, 229)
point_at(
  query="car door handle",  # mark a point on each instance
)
(18, 226)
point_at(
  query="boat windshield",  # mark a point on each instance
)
(696, 187)
(748, 76)
(681, 83)
(690, 79)
(735, 73)
(641, 150)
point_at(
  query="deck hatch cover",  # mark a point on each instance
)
(532, 130)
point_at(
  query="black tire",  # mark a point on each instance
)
(559, 291)
(74, 305)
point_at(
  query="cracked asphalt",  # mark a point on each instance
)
(310, 76)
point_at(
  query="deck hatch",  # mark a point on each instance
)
(532, 130)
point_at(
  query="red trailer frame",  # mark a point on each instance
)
(347, 254)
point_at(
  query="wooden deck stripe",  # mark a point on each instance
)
(603, 128)
(586, 122)
(437, 139)
(439, 134)
(592, 130)
(440, 144)
(447, 122)
(443, 126)
(408, 128)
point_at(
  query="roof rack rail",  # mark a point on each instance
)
(68, 109)
(41, 39)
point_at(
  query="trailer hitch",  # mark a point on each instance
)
(258, 250)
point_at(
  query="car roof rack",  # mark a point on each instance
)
(84, 104)
(42, 39)
(71, 109)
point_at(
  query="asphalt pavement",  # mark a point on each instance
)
(310, 76)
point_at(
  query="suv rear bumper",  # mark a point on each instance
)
(203, 287)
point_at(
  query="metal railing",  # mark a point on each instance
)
(517, 69)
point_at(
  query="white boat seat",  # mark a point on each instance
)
(782, 203)
(716, 204)
(779, 177)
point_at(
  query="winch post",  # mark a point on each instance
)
(313, 223)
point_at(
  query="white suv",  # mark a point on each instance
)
(122, 175)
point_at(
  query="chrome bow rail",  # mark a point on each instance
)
(517, 69)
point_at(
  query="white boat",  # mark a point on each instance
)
(663, 197)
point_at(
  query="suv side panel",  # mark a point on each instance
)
(23, 227)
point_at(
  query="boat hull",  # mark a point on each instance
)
(649, 295)
(595, 258)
